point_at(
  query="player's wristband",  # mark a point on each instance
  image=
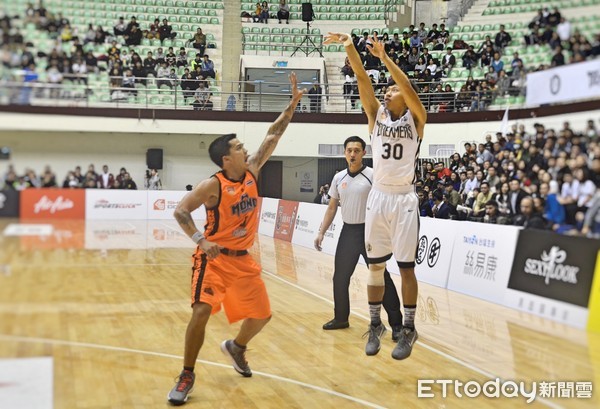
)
(196, 237)
(348, 42)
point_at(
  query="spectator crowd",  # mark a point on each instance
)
(71, 59)
(76, 179)
(544, 179)
(411, 51)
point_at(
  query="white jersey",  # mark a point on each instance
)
(352, 190)
(395, 146)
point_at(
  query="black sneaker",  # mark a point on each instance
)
(396, 330)
(185, 386)
(374, 341)
(335, 324)
(408, 337)
(237, 356)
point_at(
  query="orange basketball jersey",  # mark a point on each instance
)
(233, 222)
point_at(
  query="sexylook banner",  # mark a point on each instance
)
(552, 275)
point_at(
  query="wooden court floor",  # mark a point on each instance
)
(113, 321)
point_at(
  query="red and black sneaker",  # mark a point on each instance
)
(185, 385)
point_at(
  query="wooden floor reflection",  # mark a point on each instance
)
(108, 301)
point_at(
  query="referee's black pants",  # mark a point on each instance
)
(350, 246)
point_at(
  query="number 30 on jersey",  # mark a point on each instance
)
(392, 151)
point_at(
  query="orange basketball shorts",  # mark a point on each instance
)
(233, 282)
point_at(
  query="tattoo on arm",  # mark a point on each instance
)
(274, 133)
(184, 218)
(281, 123)
(265, 150)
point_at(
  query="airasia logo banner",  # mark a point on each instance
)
(57, 205)
(103, 204)
(52, 204)
(162, 204)
(285, 222)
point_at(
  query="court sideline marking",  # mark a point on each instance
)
(163, 355)
(420, 343)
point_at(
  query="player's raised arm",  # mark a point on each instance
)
(258, 158)
(410, 95)
(368, 99)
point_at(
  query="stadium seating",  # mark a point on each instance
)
(183, 16)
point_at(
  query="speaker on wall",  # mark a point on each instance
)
(154, 158)
(307, 12)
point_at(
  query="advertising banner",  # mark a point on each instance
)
(104, 204)
(306, 225)
(268, 215)
(482, 259)
(434, 251)
(162, 204)
(9, 203)
(552, 276)
(554, 266)
(286, 220)
(566, 83)
(560, 311)
(52, 204)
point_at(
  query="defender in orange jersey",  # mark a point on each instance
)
(223, 271)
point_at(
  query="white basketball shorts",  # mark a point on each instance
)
(392, 226)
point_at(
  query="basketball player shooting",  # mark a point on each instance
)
(392, 218)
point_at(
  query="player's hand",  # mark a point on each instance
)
(376, 49)
(297, 94)
(212, 250)
(335, 38)
(318, 242)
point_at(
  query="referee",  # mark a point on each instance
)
(350, 188)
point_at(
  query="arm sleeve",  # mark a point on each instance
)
(333, 189)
